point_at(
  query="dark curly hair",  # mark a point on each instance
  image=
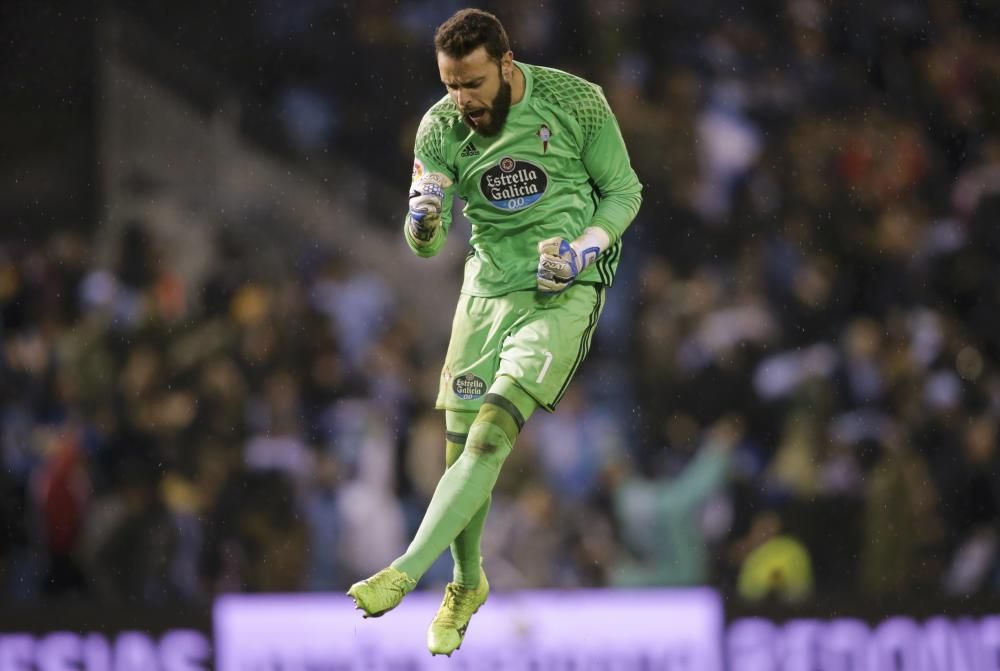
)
(469, 29)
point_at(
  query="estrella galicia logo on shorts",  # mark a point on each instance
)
(513, 184)
(468, 386)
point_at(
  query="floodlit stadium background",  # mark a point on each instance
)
(218, 358)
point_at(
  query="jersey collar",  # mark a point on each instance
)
(528, 81)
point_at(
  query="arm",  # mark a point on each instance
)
(700, 479)
(709, 469)
(428, 220)
(606, 160)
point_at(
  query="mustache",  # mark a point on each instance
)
(489, 119)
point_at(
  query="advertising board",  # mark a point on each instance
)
(666, 630)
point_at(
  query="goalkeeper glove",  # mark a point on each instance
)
(426, 198)
(559, 263)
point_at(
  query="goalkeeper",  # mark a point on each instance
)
(537, 156)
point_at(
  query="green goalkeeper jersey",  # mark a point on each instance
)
(558, 166)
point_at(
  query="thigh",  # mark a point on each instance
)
(477, 334)
(543, 351)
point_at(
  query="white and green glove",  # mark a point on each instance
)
(426, 198)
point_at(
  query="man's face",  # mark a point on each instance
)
(480, 87)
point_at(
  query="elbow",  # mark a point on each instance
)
(636, 201)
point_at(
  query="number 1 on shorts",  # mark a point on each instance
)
(545, 367)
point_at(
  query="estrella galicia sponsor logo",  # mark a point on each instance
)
(468, 386)
(513, 184)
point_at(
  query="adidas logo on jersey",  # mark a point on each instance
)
(470, 150)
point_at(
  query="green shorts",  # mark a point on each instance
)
(537, 340)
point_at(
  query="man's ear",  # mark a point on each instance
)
(507, 65)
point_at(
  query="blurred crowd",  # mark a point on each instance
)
(793, 390)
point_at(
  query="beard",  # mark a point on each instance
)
(498, 111)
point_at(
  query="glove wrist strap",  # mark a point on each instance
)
(590, 245)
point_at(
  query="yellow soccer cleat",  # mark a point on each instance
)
(379, 594)
(460, 603)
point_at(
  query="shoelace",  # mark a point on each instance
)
(389, 583)
(398, 583)
(454, 600)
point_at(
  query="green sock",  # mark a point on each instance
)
(466, 550)
(463, 492)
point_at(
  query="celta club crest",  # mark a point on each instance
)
(545, 134)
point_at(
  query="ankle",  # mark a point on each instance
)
(468, 582)
(407, 574)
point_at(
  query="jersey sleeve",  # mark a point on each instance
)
(429, 155)
(602, 148)
(606, 160)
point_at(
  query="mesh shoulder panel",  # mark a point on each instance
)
(582, 99)
(433, 129)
